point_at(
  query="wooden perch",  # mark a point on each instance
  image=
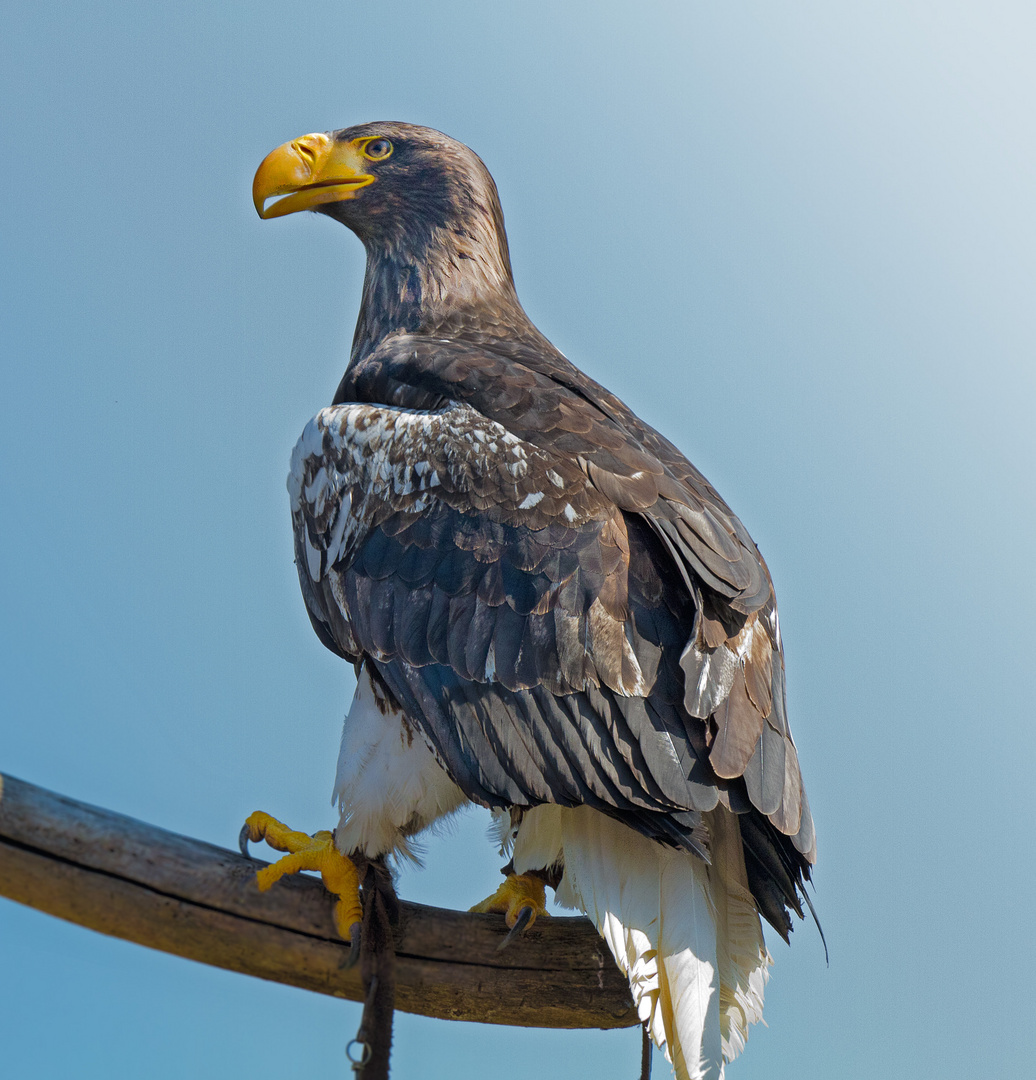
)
(134, 881)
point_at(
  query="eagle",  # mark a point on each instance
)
(551, 612)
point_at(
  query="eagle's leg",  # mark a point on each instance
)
(316, 852)
(521, 898)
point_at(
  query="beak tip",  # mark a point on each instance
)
(260, 191)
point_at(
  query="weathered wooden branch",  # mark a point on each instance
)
(137, 882)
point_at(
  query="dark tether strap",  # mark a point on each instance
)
(378, 971)
(645, 1053)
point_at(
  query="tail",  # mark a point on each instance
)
(687, 935)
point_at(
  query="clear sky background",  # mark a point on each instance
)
(798, 238)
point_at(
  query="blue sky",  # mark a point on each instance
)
(798, 239)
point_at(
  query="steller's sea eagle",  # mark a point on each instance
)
(551, 612)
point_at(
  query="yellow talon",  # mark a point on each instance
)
(305, 852)
(518, 891)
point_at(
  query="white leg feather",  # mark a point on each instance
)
(389, 785)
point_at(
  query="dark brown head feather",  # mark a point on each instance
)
(437, 257)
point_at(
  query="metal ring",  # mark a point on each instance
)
(365, 1054)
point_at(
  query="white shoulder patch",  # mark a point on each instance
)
(354, 457)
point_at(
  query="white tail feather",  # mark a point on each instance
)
(741, 953)
(687, 936)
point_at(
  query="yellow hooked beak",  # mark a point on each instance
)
(309, 172)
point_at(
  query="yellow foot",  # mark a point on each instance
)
(316, 852)
(518, 892)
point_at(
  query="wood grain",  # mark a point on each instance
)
(134, 881)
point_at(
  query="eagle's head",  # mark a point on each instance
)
(428, 213)
(405, 190)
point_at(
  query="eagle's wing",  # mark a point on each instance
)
(568, 616)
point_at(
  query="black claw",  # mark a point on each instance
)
(525, 916)
(355, 936)
(242, 841)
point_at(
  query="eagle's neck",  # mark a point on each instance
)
(452, 280)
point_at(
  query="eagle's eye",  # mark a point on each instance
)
(377, 149)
